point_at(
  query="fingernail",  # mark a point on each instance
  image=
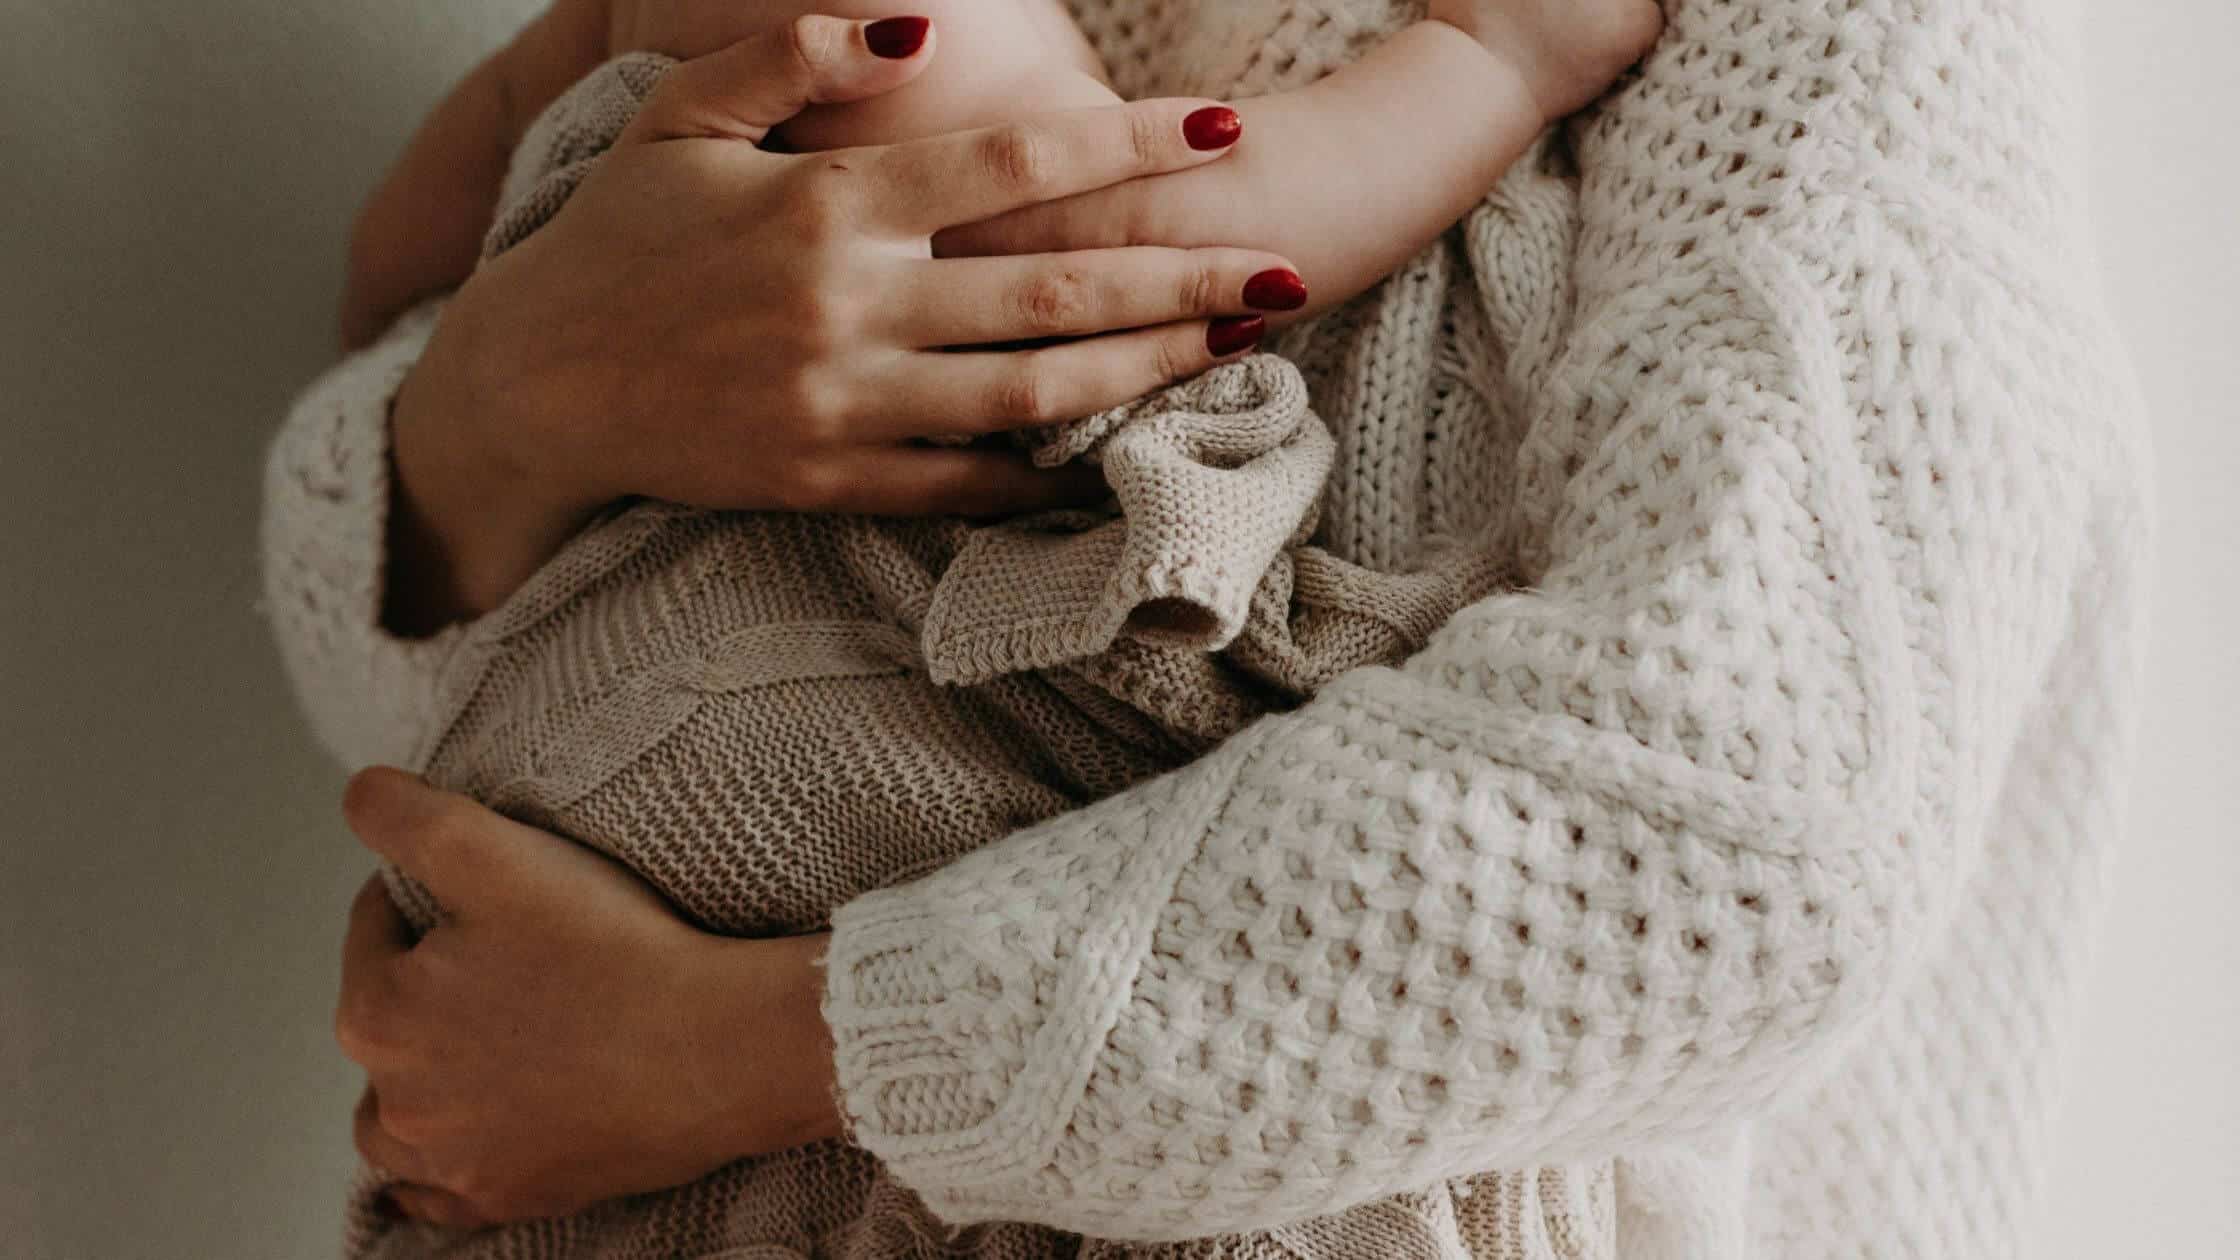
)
(1278, 290)
(1214, 127)
(1235, 334)
(896, 38)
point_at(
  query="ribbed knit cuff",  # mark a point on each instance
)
(969, 1009)
(325, 533)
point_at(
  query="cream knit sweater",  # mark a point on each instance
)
(1755, 845)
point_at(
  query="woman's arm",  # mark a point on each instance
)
(507, 430)
(1819, 444)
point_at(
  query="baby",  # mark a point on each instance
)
(768, 715)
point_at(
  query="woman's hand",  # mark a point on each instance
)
(421, 230)
(713, 324)
(564, 1037)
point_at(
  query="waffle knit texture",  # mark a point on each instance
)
(1750, 838)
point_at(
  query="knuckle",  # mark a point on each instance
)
(1148, 139)
(821, 415)
(823, 324)
(1022, 156)
(1169, 361)
(811, 486)
(1026, 395)
(1057, 301)
(803, 45)
(1202, 288)
(822, 203)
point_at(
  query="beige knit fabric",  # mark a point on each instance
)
(767, 716)
(1752, 834)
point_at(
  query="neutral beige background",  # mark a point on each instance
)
(175, 179)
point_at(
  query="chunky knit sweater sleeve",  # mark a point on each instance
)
(1823, 456)
(370, 695)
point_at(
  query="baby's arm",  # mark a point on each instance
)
(421, 230)
(1353, 175)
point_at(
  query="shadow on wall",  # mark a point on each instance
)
(176, 191)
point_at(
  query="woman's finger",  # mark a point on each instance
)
(377, 934)
(453, 846)
(925, 185)
(968, 394)
(951, 302)
(435, 1207)
(744, 91)
(381, 1148)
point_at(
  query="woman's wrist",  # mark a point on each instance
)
(766, 1053)
(470, 520)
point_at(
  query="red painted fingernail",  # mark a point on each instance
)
(896, 38)
(1277, 290)
(1214, 127)
(1235, 334)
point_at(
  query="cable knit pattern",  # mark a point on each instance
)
(1753, 840)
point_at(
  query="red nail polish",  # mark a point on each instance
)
(1235, 334)
(896, 38)
(1276, 290)
(1214, 127)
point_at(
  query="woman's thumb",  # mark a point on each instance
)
(459, 850)
(746, 90)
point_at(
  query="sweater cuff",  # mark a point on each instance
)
(969, 1009)
(366, 692)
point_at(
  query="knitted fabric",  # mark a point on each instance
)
(767, 716)
(1752, 837)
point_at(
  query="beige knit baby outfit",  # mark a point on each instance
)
(768, 715)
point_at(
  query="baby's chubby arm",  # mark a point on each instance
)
(1356, 173)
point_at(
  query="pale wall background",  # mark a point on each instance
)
(175, 179)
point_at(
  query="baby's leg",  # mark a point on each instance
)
(993, 61)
